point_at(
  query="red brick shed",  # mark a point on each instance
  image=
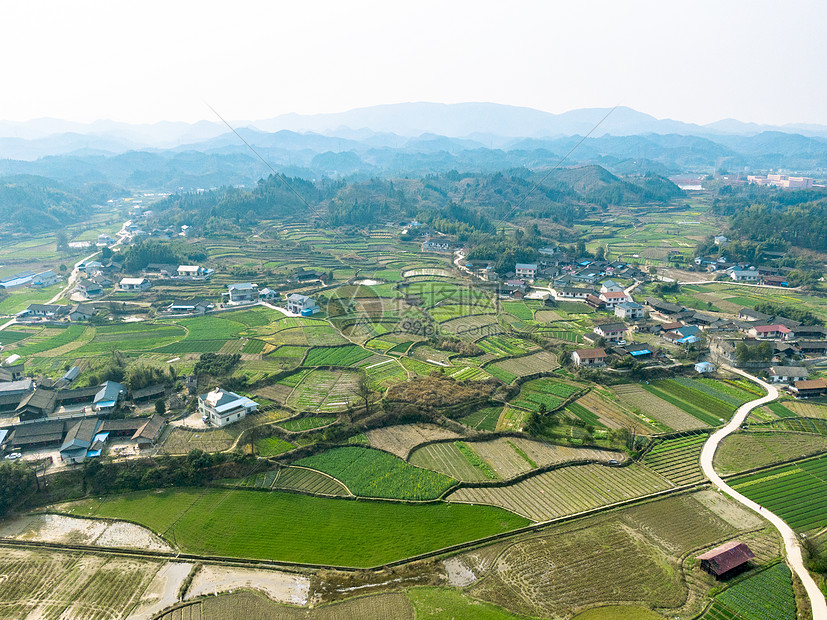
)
(725, 558)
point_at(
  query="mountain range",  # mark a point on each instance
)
(484, 125)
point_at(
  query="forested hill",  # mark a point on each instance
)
(775, 216)
(468, 199)
(35, 203)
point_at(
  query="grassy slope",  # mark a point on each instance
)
(297, 528)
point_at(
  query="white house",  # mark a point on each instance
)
(611, 299)
(788, 374)
(268, 294)
(45, 278)
(134, 284)
(589, 357)
(745, 275)
(221, 408)
(629, 310)
(92, 267)
(301, 304)
(526, 270)
(610, 286)
(193, 271)
(243, 293)
(611, 331)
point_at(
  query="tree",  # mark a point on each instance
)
(62, 241)
(16, 481)
(365, 393)
(160, 406)
(600, 253)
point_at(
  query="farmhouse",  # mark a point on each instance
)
(610, 331)
(613, 299)
(704, 367)
(610, 286)
(37, 404)
(301, 304)
(45, 278)
(12, 392)
(809, 388)
(134, 284)
(748, 314)
(589, 357)
(193, 271)
(18, 279)
(812, 347)
(570, 292)
(788, 374)
(268, 294)
(152, 392)
(221, 408)
(771, 332)
(189, 307)
(526, 270)
(10, 370)
(629, 310)
(595, 302)
(729, 556)
(89, 288)
(46, 311)
(82, 312)
(242, 293)
(161, 269)
(744, 275)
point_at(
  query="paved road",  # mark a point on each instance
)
(794, 557)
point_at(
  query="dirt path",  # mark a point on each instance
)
(794, 556)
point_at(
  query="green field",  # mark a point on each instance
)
(299, 528)
(765, 596)
(336, 356)
(373, 473)
(307, 423)
(797, 493)
(678, 459)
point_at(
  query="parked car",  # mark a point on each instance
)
(14, 456)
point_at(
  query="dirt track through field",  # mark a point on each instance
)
(794, 554)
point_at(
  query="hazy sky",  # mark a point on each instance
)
(148, 61)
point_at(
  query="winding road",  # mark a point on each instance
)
(794, 556)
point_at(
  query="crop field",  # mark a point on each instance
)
(484, 419)
(797, 493)
(563, 569)
(324, 390)
(745, 450)
(467, 373)
(402, 438)
(678, 460)
(589, 417)
(272, 446)
(519, 309)
(297, 425)
(549, 392)
(256, 606)
(48, 339)
(336, 356)
(479, 324)
(55, 584)
(131, 337)
(816, 426)
(299, 528)
(608, 412)
(566, 491)
(212, 327)
(452, 460)
(181, 441)
(522, 366)
(807, 410)
(296, 479)
(765, 596)
(373, 473)
(659, 413)
(505, 345)
(698, 403)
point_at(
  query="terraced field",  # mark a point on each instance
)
(323, 391)
(608, 412)
(797, 493)
(510, 369)
(767, 595)
(661, 414)
(484, 419)
(678, 459)
(698, 403)
(297, 479)
(807, 410)
(450, 460)
(549, 392)
(505, 345)
(297, 425)
(402, 438)
(566, 491)
(347, 355)
(373, 473)
(745, 450)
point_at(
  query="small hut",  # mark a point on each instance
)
(729, 556)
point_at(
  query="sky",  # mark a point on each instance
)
(148, 61)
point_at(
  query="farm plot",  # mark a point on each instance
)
(801, 425)
(719, 390)
(609, 413)
(336, 356)
(373, 473)
(657, 412)
(299, 528)
(484, 419)
(403, 438)
(566, 491)
(765, 596)
(519, 309)
(479, 325)
(502, 346)
(55, 584)
(564, 569)
(297, 425)
(452, 459)
(797, 493)
(48, 339)
(746, 450)
(272, 446)
(548, 316)
(678, 459)
(324, 390)
(297, 479)
(698, 403)
(522, 366)
(807, 410)
(548, 392)
(467, 373)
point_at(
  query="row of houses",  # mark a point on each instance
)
(57, 312)
(41, 279)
